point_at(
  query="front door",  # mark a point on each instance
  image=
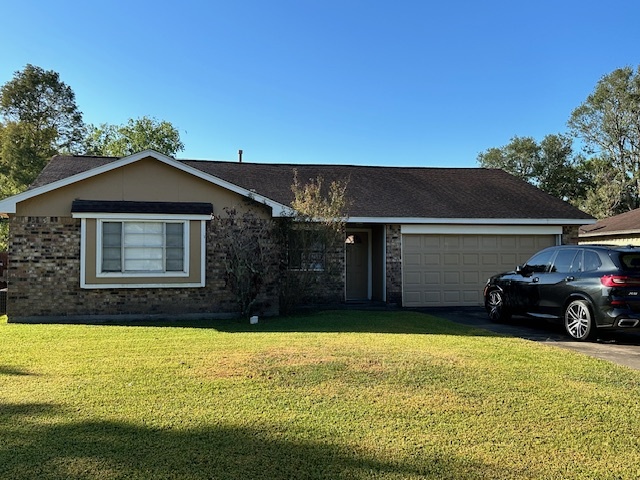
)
(357, 251)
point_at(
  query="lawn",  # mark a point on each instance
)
(332, 395)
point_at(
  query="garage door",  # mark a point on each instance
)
(451, 270)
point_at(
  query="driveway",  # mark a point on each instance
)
(618, 347)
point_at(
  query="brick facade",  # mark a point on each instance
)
(570, 234)
(44, 280)
(394, 265)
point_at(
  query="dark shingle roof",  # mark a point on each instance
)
(625, 223)
(402, 192)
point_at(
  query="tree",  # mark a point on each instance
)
(39, 119)
(519, 157)
(550, 165)
(606, 189)
(249, 252)
(137, 135)
(608, 123)
(314, 237)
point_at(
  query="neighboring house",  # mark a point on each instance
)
(98, 236)
(623, 229)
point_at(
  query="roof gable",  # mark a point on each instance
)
(63, 171)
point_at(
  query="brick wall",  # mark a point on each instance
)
(313, 288)
(4, 267)
(570, 234)
(394, 265)
(44, 279)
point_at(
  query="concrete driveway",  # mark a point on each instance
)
(621, 347)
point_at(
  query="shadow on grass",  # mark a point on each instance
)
(34, 447)
(330, 321)
(13, 371)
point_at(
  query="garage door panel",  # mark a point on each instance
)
(471, 241)
(433, 298)
(489, 259)
(413, 278)
(431, 259)
(432, 278)
(413, 298)
(508, 241)
(450, 270)
(451, 259)
(471, 297)
(470, 259)
(451, 278)
(452, 297)
(470, 278)
(429, 241)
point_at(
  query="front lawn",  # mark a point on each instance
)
(334, 395)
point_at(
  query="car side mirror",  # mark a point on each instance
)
(522, 270)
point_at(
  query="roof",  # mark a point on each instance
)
(374, 192)
(627, 223)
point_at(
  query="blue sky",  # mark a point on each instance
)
(372, 82)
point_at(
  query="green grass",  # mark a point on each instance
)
(334, 395)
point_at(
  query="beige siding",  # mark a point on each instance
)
(611, 241)
(147, 181)
(451, 270)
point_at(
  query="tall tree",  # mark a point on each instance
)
(137, 135)
(608, 123)
(39, 119)
(550, 165)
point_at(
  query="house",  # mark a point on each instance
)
(416, 237)
(623, 229)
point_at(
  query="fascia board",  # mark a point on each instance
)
(458, 229)
(600, 233)
(472, 221)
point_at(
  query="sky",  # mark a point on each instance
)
(359, 82)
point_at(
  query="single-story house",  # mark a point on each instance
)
(623, 229)
(415, 237)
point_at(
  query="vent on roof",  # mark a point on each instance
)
(239, 156)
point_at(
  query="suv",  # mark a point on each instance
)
(587, 287)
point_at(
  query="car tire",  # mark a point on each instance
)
(578, 321)
(496, 307)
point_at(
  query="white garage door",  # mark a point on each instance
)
(451, 270)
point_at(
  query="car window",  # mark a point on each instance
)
(592, 261)
(540, 262)
(566, 261)
(630, 261)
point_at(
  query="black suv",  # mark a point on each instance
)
(587, 287)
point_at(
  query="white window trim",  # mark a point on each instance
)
(142, 274)
(138, 217)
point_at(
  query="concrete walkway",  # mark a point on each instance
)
(621, 347)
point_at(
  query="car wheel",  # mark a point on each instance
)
(496, 308)
(578, 321)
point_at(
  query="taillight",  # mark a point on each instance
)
(619, 281)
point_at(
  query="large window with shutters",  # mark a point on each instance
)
(135, 247)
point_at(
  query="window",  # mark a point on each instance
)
(540, 262)
(567, 260)
(306, 251)
(126, 244)
(591, 261)
(142, 247)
